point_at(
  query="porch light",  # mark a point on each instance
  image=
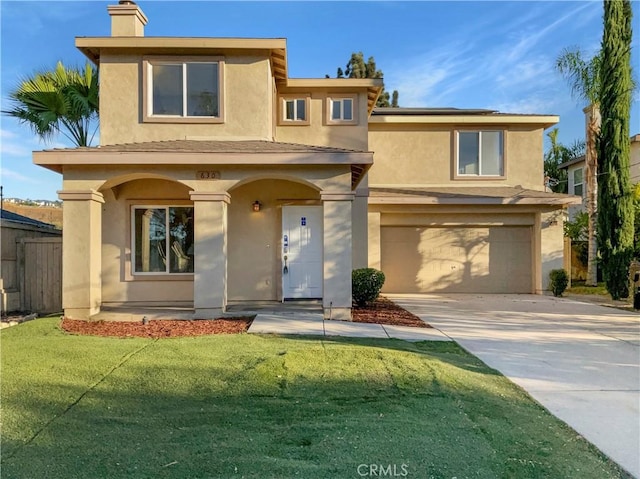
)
(256, 205)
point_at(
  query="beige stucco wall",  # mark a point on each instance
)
(247, 102)
(409, 154)
(254, 238)
(318, 132)
(118, 284)
(634, 162)
(252, 274)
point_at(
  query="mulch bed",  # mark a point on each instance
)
(381, 311)
(385, 311)
(157, 328)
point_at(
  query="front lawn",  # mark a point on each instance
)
(258, 407)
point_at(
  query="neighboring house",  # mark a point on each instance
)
(576, 175)
(220, 179)
(15, 229)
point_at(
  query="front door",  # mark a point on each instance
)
(302, 263)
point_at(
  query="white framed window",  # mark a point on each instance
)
(342, 110)
(294, 110)
(183, 89)
(578, 182)
(480, 153)
(162, 239)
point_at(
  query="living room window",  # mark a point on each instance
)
(183, 89)
(162, 241)
(342, 111)
(578, 182)
(480, 153)
(294, 110)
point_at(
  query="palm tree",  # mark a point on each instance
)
(583, 77)
(64, 100)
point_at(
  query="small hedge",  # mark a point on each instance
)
(366, 284)
(559, 281)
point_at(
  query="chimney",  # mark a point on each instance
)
(127, 19)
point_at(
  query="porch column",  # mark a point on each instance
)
(81, 252)
(336, 297)
(210, 253)
(359, 210)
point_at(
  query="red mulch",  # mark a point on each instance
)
(381, 311)
(157, 328)
(385, 311)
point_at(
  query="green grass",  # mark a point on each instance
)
(261, 407)
(578, 287)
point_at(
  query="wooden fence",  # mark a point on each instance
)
(40, 274)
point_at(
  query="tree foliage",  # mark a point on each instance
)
(615, 196)
(63, 100)
(357, 68)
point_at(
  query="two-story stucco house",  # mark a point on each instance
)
(220, 179)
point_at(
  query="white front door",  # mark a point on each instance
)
(302, 262)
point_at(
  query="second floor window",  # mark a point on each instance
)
(577, 182)
(341, 109)
(480, 153)
(295, 109)
(184, 89)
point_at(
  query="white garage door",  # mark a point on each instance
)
(456, 259)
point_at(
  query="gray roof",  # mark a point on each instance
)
(25, 220)
(569, 163)
(470, 195)
(213, 146)
(430, 111)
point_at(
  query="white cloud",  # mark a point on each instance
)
(15, 176)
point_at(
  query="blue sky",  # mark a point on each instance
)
(485, 54)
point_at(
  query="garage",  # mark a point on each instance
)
(456, 259)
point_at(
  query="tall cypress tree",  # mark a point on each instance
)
(615, 198)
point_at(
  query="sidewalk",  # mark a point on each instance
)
(314, 324)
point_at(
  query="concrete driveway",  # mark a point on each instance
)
(579, 360)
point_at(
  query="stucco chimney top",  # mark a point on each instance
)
(127, 19)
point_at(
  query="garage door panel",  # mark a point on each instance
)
(456, 259)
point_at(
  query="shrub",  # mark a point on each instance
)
(366, 284)
(559, 281)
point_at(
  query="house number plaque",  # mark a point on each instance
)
(207, 175)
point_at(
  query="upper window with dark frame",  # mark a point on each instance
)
(189, 89)
(480, 153)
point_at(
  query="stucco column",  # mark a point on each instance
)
(374, 239)
(81, 252)
(359, 211)
(336, 297)
(210, 254)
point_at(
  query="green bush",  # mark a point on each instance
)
(559, 281)
(366, 284)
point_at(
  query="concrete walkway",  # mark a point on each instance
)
(314, 324)
(581, 361)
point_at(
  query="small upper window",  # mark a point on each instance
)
(342, 110)
(189, 89)
(577, 182)
(480, 153)
(296, 110)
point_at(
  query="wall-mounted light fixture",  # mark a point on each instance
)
(257, 205)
